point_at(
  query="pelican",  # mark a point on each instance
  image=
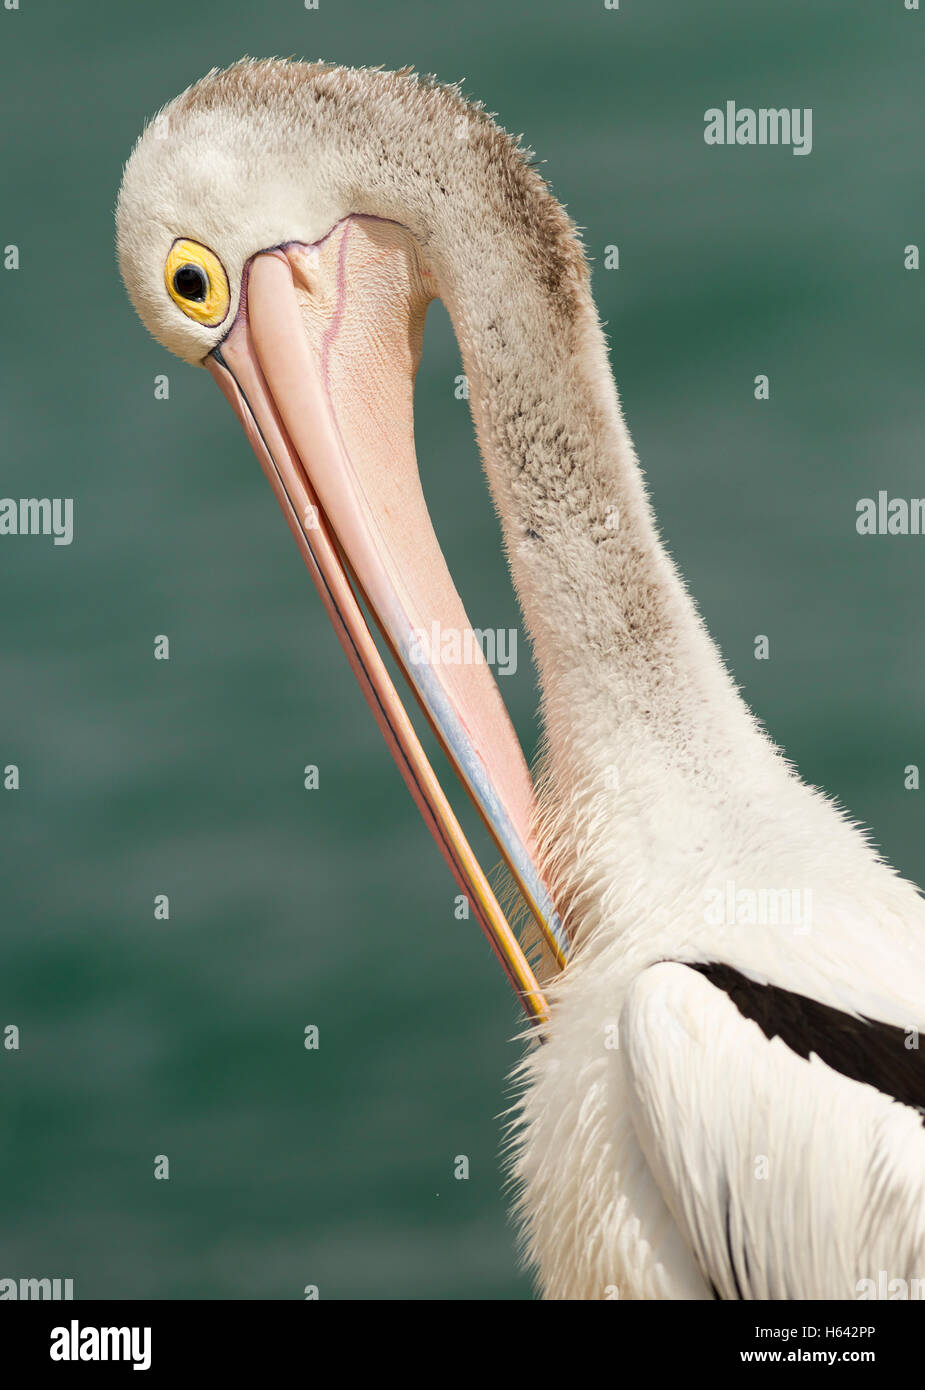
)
(721, 1091)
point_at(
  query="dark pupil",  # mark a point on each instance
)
(190, 282)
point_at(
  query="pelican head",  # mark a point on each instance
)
(285, 225)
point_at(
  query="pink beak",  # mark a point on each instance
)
(319, 367)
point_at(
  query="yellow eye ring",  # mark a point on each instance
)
(196, 282)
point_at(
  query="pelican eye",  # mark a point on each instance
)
(191, 282)
(195, 279)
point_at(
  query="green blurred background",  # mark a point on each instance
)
(332, 907)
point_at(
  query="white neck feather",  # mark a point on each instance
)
(638, 707)
(621, 650)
